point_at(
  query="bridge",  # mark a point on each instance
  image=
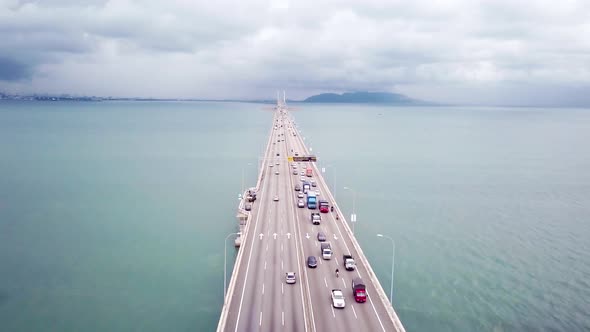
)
(277, 236)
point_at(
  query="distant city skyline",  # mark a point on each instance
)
(462, 52)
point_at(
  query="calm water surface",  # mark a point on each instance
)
(113, 215)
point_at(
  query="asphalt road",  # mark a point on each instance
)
(279, 239)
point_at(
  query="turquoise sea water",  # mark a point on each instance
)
(113, 215)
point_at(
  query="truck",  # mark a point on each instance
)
(348, 262)
(306, 187)
(359, 290)
(308, 172)
(315, 218)
(311, 200)
(326, 250)
(324, 206)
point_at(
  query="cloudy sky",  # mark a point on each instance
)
(485, 52)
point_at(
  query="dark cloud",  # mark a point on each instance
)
(247, 49)
(13, 70)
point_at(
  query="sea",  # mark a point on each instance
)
(114, 215)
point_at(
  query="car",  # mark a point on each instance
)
(312, 262)
(304, 166)
(276, 198)
(296, 154)
(297, 187)
(248, 207)
(300, 203)
(276, 172)
(270, 165)
(317, 192)
(278, 154)
(294, 172)
(338, 299)
(313, 183)
(302, 173)
(302, 178)
(277, 163)
(300, 195)
(321, 236)
(290, 277)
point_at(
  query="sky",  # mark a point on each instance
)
(466, 51)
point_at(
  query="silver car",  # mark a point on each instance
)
(300, 203)
(338, 299)
(290, 277)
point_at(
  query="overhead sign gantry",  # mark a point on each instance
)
(303, 158)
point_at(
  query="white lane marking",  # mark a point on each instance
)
(297, 250)
(263, 289)
(343, 282)
(260, 321)
(266, 245)
(354, 311)
(336, 260)
(320, 260)
(281, 265)
(325, 282)
(282, 288)
(265, 265)
(283, 318)
(281, 247)
(333, 313)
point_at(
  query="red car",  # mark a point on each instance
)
(324, 206)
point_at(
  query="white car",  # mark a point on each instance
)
(302, 173)
(302, 178)
(290, 277)
(300, 203)
(300, 195)
(338, 299)
(276, 172)
(276, 198)
(270, 165)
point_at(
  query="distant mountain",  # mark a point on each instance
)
(362, 97)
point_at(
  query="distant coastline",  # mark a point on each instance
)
(364, 98)
(353, 97)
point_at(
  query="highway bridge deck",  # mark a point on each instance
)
(279, 237)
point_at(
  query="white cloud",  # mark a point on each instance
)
(247, 49)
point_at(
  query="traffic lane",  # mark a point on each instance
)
(375, 306)
(325, 281)
(292, 255)
(301, 258)
(254, 301)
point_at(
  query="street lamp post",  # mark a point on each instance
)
(353, 215)
(392, 265)
(225, 262)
